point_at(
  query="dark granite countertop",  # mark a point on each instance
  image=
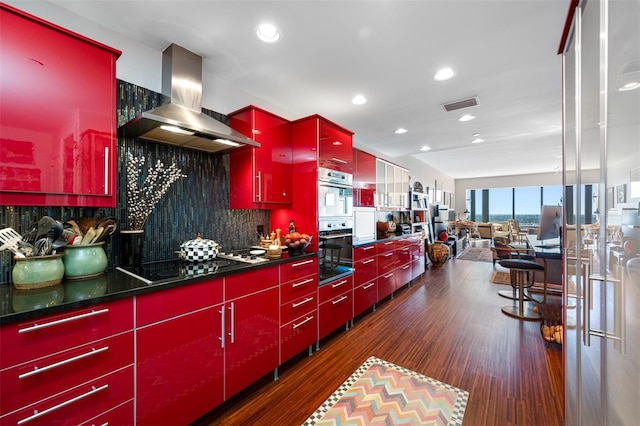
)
(19, 305)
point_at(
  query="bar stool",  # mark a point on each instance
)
(331, 248)
(519, 269)
(504, 252)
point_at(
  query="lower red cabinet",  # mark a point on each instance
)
(336, 305)
(364, 297)
(386, 285)
(298, 334)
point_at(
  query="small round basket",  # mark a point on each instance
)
(273, 253)
(297, 249)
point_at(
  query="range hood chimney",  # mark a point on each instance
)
(187, 125)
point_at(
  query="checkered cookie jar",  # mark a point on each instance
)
(198, 250)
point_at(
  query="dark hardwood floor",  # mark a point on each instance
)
(446, 325)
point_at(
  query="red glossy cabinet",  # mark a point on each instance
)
(365, 290)
(299, 306)
(176, 325)
(336, 305)
(251, 325)
(364, 179)
(261, 177)
(335, 149)
(58, 121)
(68, 368)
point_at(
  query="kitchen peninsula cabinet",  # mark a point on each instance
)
(58, 115)
(261, 177)
(364, 179)
(180, 368)
(335, 305)
(70, 367)
(299, 307)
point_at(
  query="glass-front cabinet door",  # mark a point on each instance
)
(601, 65)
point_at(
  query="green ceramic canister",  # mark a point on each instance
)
(84, 261)
(37, 271)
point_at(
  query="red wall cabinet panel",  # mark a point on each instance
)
(261, 177)
(57, 125)
(335, 146)
(364, 179)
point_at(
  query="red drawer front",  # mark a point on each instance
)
(417, 267)
(335, 288)
(297, 335)
(364, 297)
(121, 415)
(297, 288)
(387, 262)
(291, 310)
(46, 335)
(80, 404)
(386, 285)
(404, 254)
(335, 313)
(64, 370)
(365, 270)
(364, 252)
(298, 268)
(405, 242)
(403, 275)
(239, 285)
(385, 246)
(158, 306)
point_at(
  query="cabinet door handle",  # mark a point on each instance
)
(63, 321)
(37, 370)
(367, 261)
(307, 281)
(222, 327)
(259, 194)
(406, 266)
(338, 284)
(335, 302)
(388, 276)
(106, 170)
(300, 324)
(387, 255)
(388, 243)
(368, 286)
(306, 262)
(302, 302)
(367, 248)
(37, 414)
(232, 327)
(338, 160)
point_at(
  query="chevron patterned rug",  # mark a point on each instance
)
(382, 393)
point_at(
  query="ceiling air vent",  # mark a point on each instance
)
(463, 103)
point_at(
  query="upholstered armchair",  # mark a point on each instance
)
(485, 230)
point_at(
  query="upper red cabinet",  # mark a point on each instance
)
(57, 120)
(364, 179)
(261, 177)
(335, 147)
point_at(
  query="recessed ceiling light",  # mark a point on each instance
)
(401, 130)
(477, 140)
(359, 100)
(425, 148)
(629, 86)
(268, 33)
(444, 74)
(475, 135)
(467, 117)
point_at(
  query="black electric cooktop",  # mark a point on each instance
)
(157, 272)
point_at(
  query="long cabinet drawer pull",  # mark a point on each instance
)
(368, 248)
(63, 321)
(306, 320)
(368, 286)
(306, 262)
(406, 266)
(388, 275)
(335, 302)
(37, 370)
(338, 160)
(388, 255)
(367, 261)
(336, 285)
(106, 170)
(307, 281)
(388, 243)
(302, 302)
(37, 414)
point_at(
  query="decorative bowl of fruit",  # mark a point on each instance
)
(297, 242)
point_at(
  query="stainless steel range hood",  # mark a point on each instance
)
(182, 121)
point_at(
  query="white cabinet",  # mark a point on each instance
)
(392, 185)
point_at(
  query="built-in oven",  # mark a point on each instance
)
(335, 224)
(335, 248)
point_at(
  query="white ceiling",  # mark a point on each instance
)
(504, 52)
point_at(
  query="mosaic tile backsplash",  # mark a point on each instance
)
(196, 204)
